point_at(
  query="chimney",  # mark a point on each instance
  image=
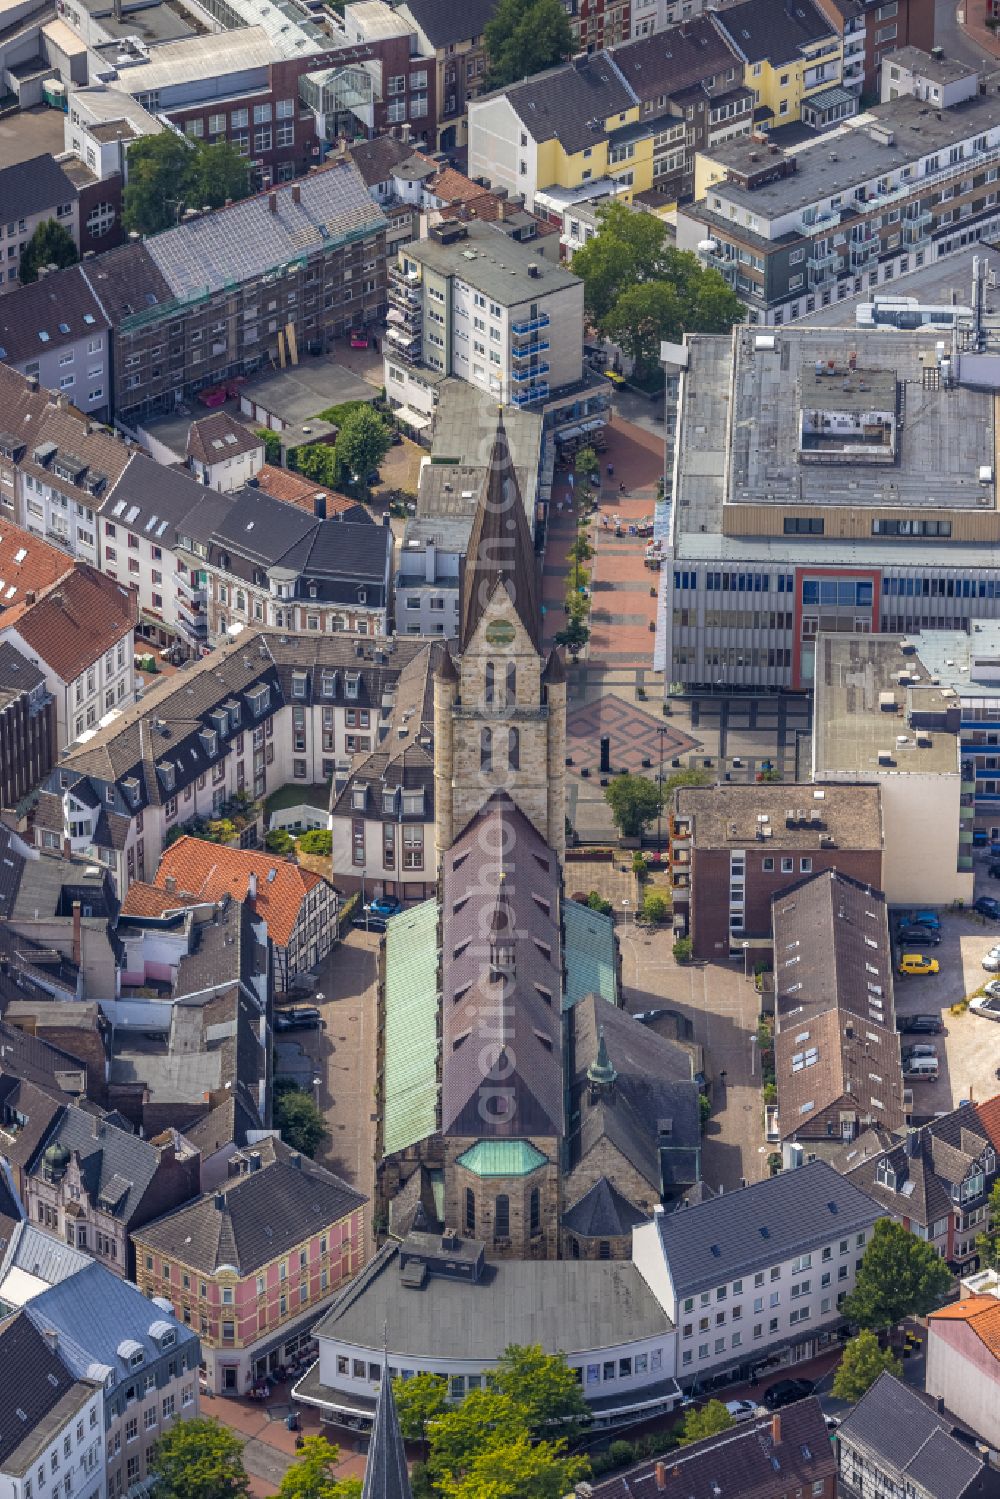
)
(252, 888)
(319, 506)
(296, 193)
(67, 849)
(272, 202)
(501, 211)
(98, 1127)
(660, 1474)
(776, 1428)
(52, 1338)
(295, 1159)
(171, 884)
(77, 942)
(220, 1201)
(912, 1144)
(29, 597)
(32, 382)
(255, 1160)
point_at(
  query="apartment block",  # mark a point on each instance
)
(793, 57)
(828, 480)
(60, 1437)
(881, 194)
(28, 734)
(468, 301)
(226, 293)
(755, 1278)
(30, 193)
(54, 331)
(872, 30)
(733, 848)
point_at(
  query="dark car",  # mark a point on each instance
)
(786, 1392)
(297, 1018)
(920, 1025)
(987, 906)
(919, 936)
(994, 871)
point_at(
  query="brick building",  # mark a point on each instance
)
(734, 847)
(872, 30)
(28, 742)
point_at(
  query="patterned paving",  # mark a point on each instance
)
(635, 736)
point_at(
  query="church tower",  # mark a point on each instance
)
(499, 704)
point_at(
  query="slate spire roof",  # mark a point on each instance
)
(386, 1475)
(500, 549)
(601, 1069)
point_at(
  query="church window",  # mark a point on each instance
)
(486, 749)
(470, 1211)
(501, 1217)
(511, 682)
(514, 749)
(488, 689)
(535, 1211)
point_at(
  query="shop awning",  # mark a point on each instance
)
(411, 418)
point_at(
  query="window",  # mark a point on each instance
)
(486, 747)
(470, 1211)
(501, 1216)
(514, 749)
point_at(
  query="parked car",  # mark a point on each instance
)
(992, 989)
(787, 1391)
(988, 907)
(299, 1017)
(919, 936)
(994, 870)
(922, 1052)
(920, 1025)
(985, 1006)
(913, 963)
(384, 906)
(991, 959)
(919, 918)
(741, 1410)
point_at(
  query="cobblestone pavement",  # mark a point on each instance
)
(269, 1447)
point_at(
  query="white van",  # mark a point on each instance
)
(921, 1070)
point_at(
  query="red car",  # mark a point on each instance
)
(359, 338)
(214, 396)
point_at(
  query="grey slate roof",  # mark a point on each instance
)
(157, 497)
(110, 1158)
(61, 300)
(386, 1473)
(774, 31)
(926, 1163)
(30, 187)
(42, 1255)
(40, 1378)
(560, 103)
(376, 158)
(760, 1225)
(602, 1213)
(447, 21)
(94, 1311)
(257, 1217)
(572, 1305)
(910, 1441)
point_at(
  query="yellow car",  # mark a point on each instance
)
(916, 962)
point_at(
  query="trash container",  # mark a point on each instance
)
(292, 1421)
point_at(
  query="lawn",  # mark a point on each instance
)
(297, 795)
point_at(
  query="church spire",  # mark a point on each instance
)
(386, 1474)
(501, 550)
(601, 1073)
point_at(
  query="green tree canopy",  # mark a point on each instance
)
(301, 1124)
(517, 1469)
(50, 244)
(319, 461)
(362, 442)
(419, 1401)
(634, 802)
(484, 1419)
(627, 249)
(312, 1476)
(544, 1387)
(863, 1361)
(900, 1276)
(705, 1421)
(200, 1459)
(988, 1242)
(167, 175)
(524, 37)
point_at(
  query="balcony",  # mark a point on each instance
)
(404, 340)
(917, 227)
(530, 350)
(531, 326)
(533, 393)
(534, 373)
(404, 278)
(822, 267)
(862, 252)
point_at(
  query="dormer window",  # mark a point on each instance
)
(389, 799)
(328, 683)
(885, 1176)
(352, 685)
(260, 699)
(362, 595)
(299, 683)
(359, 798)
(165, 771)
(209, 740)
(413, 803)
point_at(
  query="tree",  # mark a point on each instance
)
(900, 1276)
(634, 802)
(297, 1117)
(587, 462)
(683, 950)
(655, 906)
(523, 37)
(318, 461)
(362, 443)
(863, 1361)
(544, 1387)
(199, 1459)
(641, 318)
(419, 1401)
(517, 1469)
(597, 902)
(316, 841)
(218, 172)
(625, 251)
(705, 1421)
(573, 636)
(168, 173)
(272, 444)
(50, 244)
(485, 1419)
(988, 1242)
(279, 841)
(311, 1475)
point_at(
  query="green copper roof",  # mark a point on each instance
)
(411, 1045)
(501, 1158)
(590, 955)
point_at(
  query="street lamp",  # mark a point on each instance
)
(625, 913)
(659, 811)
(746, 956)
(316, 1086)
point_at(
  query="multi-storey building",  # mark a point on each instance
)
(897, 1441)
(59, 1440)
(882, 194)
(872, 30)
(450, 36)
(619, 123)
(28, 733)
(29, 567)
(471, 302)
(231, 722)
(224, 293)
(733, 848)
(81, 635)
(54, 331)
(757, 1276)
(821, 479)
(793, 59)
(253, 1265)
(32, 192)
(963, 1362)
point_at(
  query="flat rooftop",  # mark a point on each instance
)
(161, 22)
(969, 662)
(948, 280)
(494, 264)
(30, 133)
(299, 394)
(732, 815)
(937, 69)
(862, 709)
(196, 57)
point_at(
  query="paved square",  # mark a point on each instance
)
(635, 736)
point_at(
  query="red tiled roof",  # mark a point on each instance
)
(77, 622)
(989, 1118)
(210, 870)
(296, 490)
(982, 1313)
(149, 900)
(40, 566)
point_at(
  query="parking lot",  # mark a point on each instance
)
(969, 1050)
